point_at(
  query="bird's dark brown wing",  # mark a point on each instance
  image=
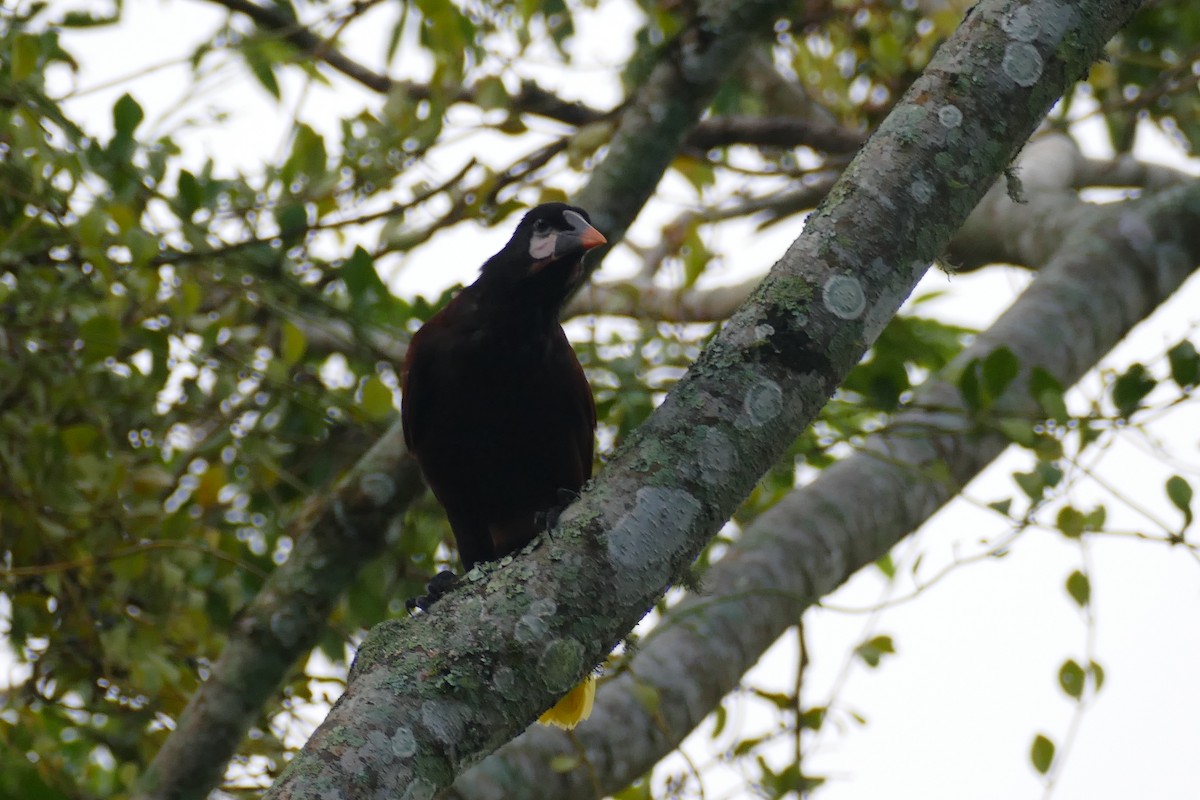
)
(502, 431)
(583, 406)
(434, 384)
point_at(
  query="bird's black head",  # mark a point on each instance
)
(543, 259)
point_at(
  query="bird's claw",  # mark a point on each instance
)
(440, 585)
(549, 518)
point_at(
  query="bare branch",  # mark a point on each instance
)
(783, 132)
(1125, 170)
(658, 303)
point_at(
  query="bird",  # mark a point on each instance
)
(496, 407)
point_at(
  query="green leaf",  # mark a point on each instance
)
(696, 257)
(396, 32)
(1180, 493)
(78, 439)
(720, 717)
(188, 193)
(1000, 369)
(647, 696)
(1097, 673)
(24, 59)
(263, 70)
(1047, 392)
(1185, 364)
(376, 398)
(1070, 678)
(1049, 472)
(813, 718)
(1042, 753)
(886, 565)
(969, 387)
(101, 338)
(1070, 521)
(699, 173)
(778, 699)
(873, 650)
(362, 281)
(1031, 484)
(292, 220)
(1002, 506)
(564, 763)
(292, 343)
(490, 93)
(638, 790)
(83, 19)
(308, 157)
(1094, 521)
(1129, 389)
(127, 115)
(1018, 431)
(1079, 587)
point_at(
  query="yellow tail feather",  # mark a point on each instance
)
(575, 707)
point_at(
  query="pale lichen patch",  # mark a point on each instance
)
(1020, 24)
(762, 403)
(560, 664)
(920, 190)
(950, 116)
(718, 457)
(418, 789)
(1023, 63)
(504, 679)
(403, 743)
(844, 297)
(632, 541)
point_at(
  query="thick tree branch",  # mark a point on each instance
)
(432, 695)
(1000, 230)
(1101, 283)
(1050, 173)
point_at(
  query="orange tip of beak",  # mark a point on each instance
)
(592, 238)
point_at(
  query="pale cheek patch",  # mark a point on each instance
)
(542, 246)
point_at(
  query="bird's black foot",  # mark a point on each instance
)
(441, 584)
(549, 518)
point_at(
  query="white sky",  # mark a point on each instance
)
(953, 714)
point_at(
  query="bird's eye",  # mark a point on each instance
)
(541, 227)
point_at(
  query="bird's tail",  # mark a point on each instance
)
(575, 707)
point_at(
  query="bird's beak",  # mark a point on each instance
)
(581, 238)
(590, 237)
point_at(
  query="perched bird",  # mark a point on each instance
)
(495, 405)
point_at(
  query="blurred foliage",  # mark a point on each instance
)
(189, 353)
